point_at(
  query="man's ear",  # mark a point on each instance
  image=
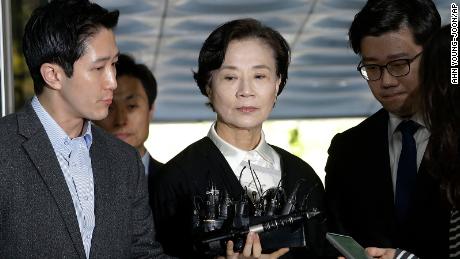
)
(152, 111)
(53, 75)
(208, 90)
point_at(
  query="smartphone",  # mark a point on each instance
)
(347, 246)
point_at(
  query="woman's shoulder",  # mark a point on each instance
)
(196, 150)
(291, 159)
(191, 159)
(294, 165)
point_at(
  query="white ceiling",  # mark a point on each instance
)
(167, 35)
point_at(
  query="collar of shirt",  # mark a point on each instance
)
(395, 120)
(234, 155)
(146, 162)
(59, 139)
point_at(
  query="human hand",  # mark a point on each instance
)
(381, 253)
(252, 249)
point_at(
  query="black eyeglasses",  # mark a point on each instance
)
(396, 68)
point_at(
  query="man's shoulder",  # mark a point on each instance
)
(156, 164)
(368, 127)
(11, 130)
(361, 137)
(10, 141)
(8, 122)
(110, 142)
(23, 122)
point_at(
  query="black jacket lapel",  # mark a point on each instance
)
(384, 169)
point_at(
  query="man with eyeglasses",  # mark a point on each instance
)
(377, 187)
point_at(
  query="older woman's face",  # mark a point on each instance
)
(243, 90)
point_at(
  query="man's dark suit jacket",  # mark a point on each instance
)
(359, 194)
(154, 168)
(37, 216)
(189, 174)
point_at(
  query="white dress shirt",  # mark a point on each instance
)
(263, 160)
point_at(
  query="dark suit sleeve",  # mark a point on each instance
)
(316, 227)
(335, 184)
(143, 241)
(172, 208)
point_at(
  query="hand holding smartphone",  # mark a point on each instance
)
(347, 246)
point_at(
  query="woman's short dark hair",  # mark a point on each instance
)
(441, 106)
(213, 51)
(57, 33)
(381, 16)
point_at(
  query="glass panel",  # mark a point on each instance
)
(23, 84)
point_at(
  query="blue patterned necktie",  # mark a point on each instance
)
(407, 170)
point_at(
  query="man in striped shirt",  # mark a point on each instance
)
(67, 188)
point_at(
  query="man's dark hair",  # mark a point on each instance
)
(213, 51)
(381, 16)
(126, 66)
(57, 33)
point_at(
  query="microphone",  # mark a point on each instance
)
(290, 202)
(241, 206)
(196, 213)
(266, 226)
(272, 200)
(254, 196)
(225, 206)
(212, 202)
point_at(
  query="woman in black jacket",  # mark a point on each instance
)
(242, 68)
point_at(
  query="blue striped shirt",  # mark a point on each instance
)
(75, 161)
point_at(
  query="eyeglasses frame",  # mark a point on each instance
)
(408, 60)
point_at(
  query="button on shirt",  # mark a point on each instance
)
(264, 161)
(75, 162)
(421, 137)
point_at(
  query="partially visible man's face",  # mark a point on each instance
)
(88, 92)
(129, 113)
(398, 95)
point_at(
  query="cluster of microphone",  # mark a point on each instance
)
(218, 218)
